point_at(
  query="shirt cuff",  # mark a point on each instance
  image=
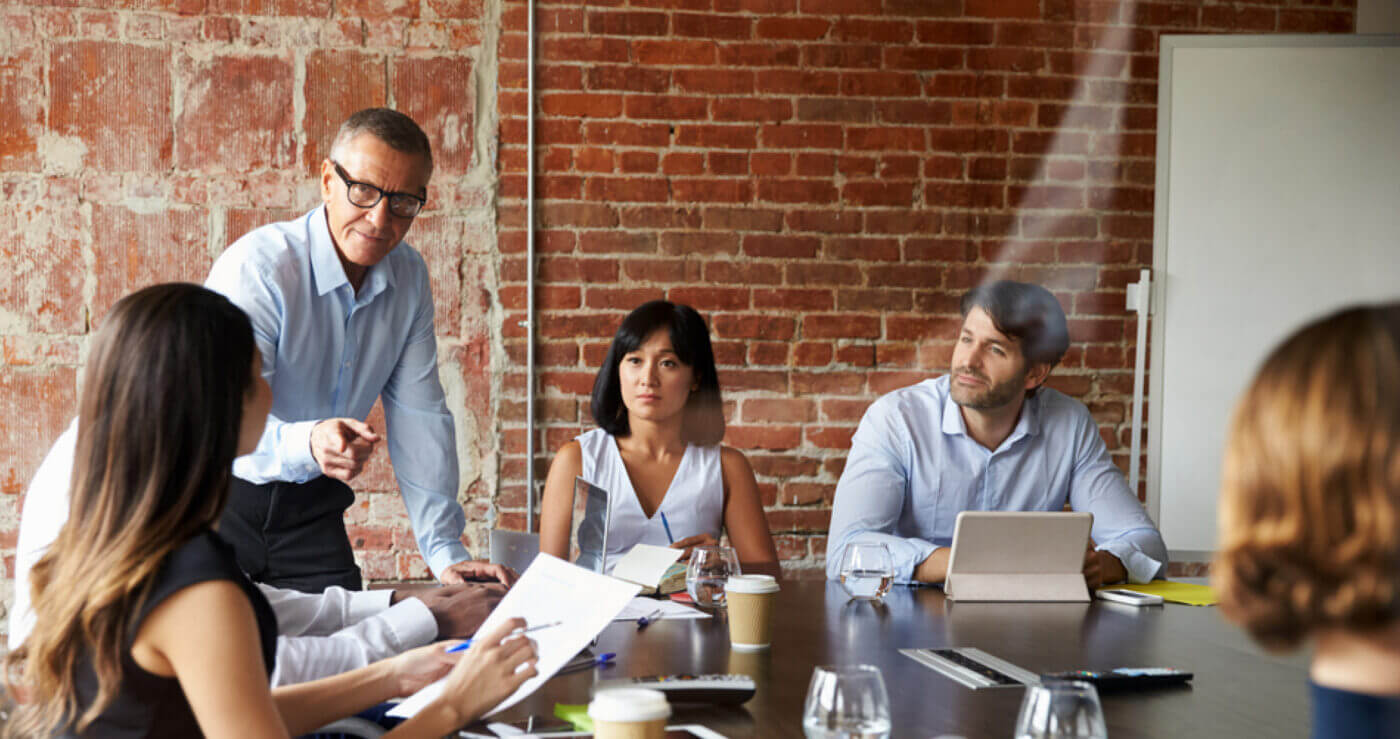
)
(367, 603)
(411, 622)
(1140, 567)
(296, 450)
(446, 557)
(921, 551)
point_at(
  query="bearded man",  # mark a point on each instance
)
(988, 437)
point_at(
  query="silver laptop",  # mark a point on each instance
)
(514, 549)
(588, 537)
(592, 518)
(1019, 556)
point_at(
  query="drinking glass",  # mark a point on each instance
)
(709, 567)
(846, 703)
(867, 571)
(1061, 709)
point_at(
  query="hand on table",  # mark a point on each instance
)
(472, 569)
(460, 609)
(341, 446)
(1102, 568)
(690, 542)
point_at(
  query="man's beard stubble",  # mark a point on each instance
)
(995, 396)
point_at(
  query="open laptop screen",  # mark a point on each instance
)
(588, 542)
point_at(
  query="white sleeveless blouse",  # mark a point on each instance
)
(694, 503)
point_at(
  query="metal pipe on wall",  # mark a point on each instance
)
(530, 267)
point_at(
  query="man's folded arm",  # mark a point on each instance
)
(870, 498)
(1121, 526)
(321, 614)
(406, 625)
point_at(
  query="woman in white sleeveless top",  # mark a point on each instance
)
(656, 401)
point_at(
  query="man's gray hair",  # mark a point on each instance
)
(390, 126)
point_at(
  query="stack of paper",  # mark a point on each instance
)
(551, 590)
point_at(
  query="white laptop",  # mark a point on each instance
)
(1019, 556)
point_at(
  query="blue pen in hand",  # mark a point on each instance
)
(667, 525)
(465, 645)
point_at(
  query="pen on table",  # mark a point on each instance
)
(667, 525)
(464, 645)
(603, 660)
(648, 619)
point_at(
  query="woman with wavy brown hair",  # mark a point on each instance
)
(145, 626)
(1310, 515)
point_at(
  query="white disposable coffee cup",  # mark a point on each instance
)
(751, 600)
(629, 713)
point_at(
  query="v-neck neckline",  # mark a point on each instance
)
(632, 488)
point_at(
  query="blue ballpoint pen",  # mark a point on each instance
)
(648, 619)
(603, 660)
(463, 646)
(667, 525)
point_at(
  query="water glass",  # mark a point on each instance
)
(709, 567)
(846, 703)
(867, 571)
(1061, 709)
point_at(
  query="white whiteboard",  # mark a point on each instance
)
(1278, 200)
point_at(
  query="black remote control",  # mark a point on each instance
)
(1125, 678)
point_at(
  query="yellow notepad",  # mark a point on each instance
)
(1177, 592)
(574, 714)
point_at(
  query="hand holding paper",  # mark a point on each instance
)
(552, 590)
(497, 665)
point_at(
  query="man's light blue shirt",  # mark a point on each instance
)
(328, 353)
(913, 467)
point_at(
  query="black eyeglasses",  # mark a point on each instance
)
(365, 195)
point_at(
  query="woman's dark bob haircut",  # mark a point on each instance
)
(690, 337)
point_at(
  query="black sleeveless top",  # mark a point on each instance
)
(148, 705)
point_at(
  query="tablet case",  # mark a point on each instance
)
(1019, 556)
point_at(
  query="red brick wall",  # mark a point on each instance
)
(136, 144)
(822, 178)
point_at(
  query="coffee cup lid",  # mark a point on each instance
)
(622, 705)
(751, 584)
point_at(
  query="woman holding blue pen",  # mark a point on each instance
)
(657, 448)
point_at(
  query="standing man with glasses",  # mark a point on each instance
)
(342, 312)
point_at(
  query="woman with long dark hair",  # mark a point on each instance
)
(657, 448)
(145, 626)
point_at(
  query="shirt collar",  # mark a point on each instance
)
(1028, 424)
(327, 270)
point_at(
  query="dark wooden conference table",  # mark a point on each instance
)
(1238, 690)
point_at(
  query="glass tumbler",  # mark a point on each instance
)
(867, 571)
(847, 702)
(709, 567)
(1061, 709)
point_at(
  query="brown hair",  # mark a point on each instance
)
(1309, 521)
(158, 425)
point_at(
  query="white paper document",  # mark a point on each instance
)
(646, 564)
(640, 607)
(550, 590)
